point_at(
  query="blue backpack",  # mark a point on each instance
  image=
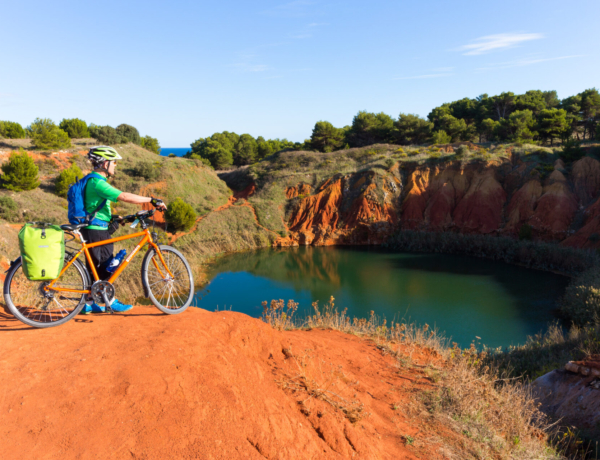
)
(77, 212)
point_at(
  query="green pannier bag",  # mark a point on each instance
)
(42, 248)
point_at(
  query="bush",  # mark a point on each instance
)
(441, 137)
(581, 303)
(180, 215)
(147, 170)
(106, 135)
(75, 128)
(8, 209)
(150, 143)
(526, 232)
(571, 151)
(129, 133)
(46, 135)
(20, 172)
(11, 130)
(462, 151)
(66, 178)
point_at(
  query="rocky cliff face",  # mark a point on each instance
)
(494, 198)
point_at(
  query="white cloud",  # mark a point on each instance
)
(526, 61)
(491, 43)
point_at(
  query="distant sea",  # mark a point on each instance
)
(177, 151)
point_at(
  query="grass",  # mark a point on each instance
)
(494, 416)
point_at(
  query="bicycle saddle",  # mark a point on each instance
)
(72, 228)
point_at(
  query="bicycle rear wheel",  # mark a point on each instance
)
(31, 304)
(170, 294)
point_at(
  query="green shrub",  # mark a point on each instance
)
(129, 133)
(66, 178)
(441, 137)
(571, 151)
(462, 151)
(151, 143)
(46, 135)
(147, 170)
(180, 215)
(581, 302)
(106, 135)
(526, 232)
(9, 209)
(20, 172)
(172, 155)
(75, 128)
(11, 130)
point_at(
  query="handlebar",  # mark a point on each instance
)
(138, 215)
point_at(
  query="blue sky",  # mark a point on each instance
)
(182, 70)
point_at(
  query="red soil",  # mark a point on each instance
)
(497, 197)
(204, 385)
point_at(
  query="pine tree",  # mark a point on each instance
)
(66, 178)
(20, 172)
(180, 215)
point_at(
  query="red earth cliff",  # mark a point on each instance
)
(496, 198)
(206, 385)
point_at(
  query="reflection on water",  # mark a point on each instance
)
(463, 296)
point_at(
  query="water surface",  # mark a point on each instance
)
(177, 151)
(463, 296)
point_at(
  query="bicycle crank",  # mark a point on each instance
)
(103, 292)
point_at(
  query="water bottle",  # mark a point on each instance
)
(116, 261)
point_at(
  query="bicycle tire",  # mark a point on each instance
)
(171, 296)
(24, 299)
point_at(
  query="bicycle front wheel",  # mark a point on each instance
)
(34, 306)
(169, 285)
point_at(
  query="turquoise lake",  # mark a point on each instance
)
(462, 296)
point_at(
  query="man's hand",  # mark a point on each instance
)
(158, 204)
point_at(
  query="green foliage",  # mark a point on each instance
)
(369, 128)
(245, 150)
(46, 135)
(462, 151)
(518, 127)
(325, 137)
(66, 178)
(11, 130)
(75, 128)
(412, 129)
(225, 149)
(9, 209)
(20, 172)
(147, 170)
(581, 303)
(571, 151)
(151, 143)
(526, 232)
(180, 215)
(552, 123)
(106, 135)
(440, 137)
(129, 134)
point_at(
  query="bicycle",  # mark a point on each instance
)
(52, 303)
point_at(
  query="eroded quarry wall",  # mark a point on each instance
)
(491, 198)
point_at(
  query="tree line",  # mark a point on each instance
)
(534, 117)
(45, 134)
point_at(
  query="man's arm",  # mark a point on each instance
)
(138, 199)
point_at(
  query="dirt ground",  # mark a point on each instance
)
(205, 385)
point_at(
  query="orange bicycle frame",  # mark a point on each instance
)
(85, 249)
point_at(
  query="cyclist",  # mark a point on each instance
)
(104, 161)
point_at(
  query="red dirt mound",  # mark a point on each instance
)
(203, 385)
